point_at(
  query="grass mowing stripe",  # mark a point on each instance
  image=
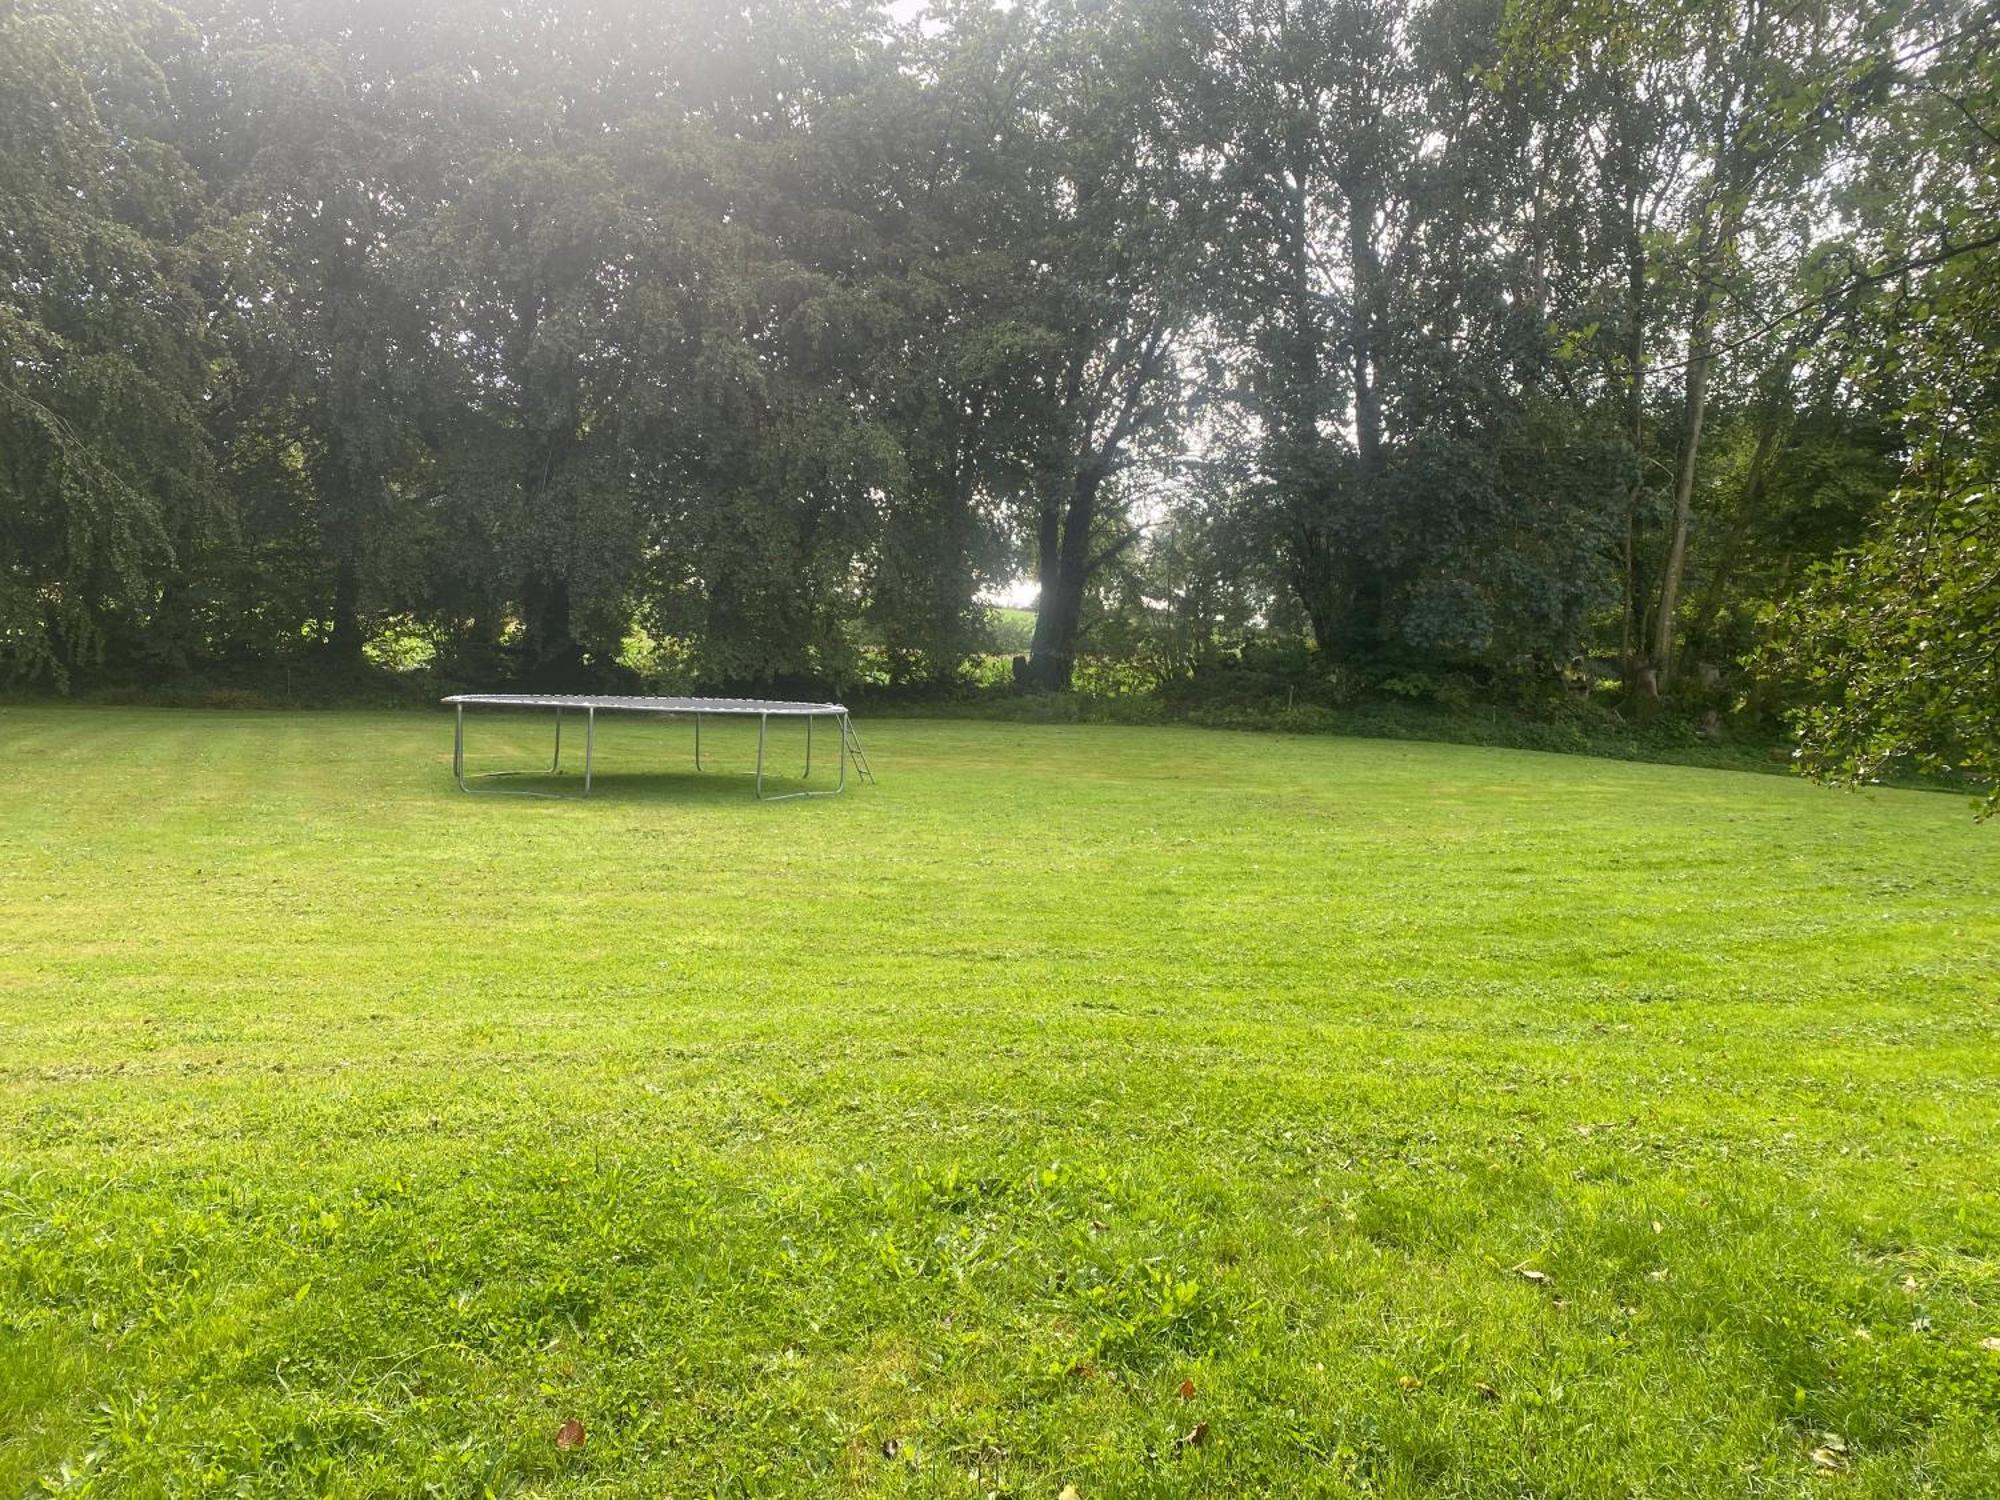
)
(354, 1134)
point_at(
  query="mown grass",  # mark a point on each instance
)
(355, 1135)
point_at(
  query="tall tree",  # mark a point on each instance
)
(1893, 651)
(1099, 209)
(110, 258)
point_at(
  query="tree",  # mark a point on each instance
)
(108, 342)
(1086, 187)
(1894, 647)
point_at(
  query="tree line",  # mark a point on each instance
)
(1481, 335)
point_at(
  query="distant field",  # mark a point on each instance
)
(1159, 1112)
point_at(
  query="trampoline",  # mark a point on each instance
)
(763, 710)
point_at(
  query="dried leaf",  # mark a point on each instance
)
(1540, 1278)
(891, 1447)
(1659, 1274)
(1069, 1492)
(1826, 1460)
(1409, 1382)
(1486, 1390)
(1992, 1346)
(1658, 1227)
(1186, 1392)
(1082, 1371)
(570, 1435)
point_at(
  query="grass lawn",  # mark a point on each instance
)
(1451, 1121)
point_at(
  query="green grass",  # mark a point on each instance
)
(355, 1134)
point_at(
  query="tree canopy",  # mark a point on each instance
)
(768, 343)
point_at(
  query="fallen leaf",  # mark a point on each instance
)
(570, 1435)
(1069, 1493)
(891, 1447)
(1082, 1371)
(1486, 1390)
(1990, 1345)
(1661, 1274)
(1827, 1460)
(1540, 1278)
(1658, 1227)
(1911, 1285)
(1409, 1382)
(1833, 1442)
(1196, 1436)
(1186, 1392)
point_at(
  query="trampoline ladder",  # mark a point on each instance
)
(854, 750)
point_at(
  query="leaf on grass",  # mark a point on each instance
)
(1082, 1371)
(569, 1435)
(1195, 1437)
(1992, 1346)
(891, 1447)
(1069, 1493)
(1658, 1227)
(1186, 1392)
(1409, 1382)
(1540, 1278)
(1660, 1273)
(1486, 1390)
(1827, 1461)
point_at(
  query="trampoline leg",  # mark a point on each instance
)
(809, 747)
(589, 744)
(458, 762)
(831, 791)
(555, 763)
(697, 742)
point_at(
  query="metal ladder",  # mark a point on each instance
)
(854, 751)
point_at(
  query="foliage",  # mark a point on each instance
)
(1466, 340)
(107, 345)
(1898, 647)
(1894, 649)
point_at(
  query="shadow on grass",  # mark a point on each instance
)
(643, 786)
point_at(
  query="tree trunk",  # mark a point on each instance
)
(1367, 403)
(1308, 497)
(1641, 685)
(1714, 250)
(1063, 567)
(343, 641)
(551, 657)
(1312, 575)
(1700, 340)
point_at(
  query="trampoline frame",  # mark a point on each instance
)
(761, 709)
